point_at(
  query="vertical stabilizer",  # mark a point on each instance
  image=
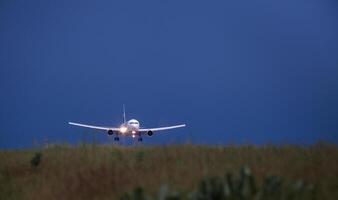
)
(124, 114)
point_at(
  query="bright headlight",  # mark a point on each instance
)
(123, 129)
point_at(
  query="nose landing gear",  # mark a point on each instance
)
(116, 138)
(139, 139)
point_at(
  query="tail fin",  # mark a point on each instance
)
(124, 114)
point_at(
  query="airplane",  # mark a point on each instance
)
(128, 128)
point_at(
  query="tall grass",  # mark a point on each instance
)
(107, 172)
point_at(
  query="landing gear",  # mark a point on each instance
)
(139, 139)
(116, 138)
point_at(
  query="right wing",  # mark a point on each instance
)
(161, 128)
(94, 127)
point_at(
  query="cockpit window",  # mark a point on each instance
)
(133, 122)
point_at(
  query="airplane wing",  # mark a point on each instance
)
(94, 127)
(161, 128)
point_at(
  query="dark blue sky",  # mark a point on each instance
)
(235, 71)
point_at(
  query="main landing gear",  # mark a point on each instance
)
(116, 138)
(139, 139)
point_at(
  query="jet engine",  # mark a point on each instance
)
(110, 132)
(150, 133)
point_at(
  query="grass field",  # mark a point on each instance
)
(106, 172)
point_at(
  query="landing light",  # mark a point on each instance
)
(133, 132)
(123, 129)
(133, 136)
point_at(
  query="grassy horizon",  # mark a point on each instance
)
(91, 171)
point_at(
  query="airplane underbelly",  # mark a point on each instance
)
(133, 128)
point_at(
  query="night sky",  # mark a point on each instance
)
(236, 72)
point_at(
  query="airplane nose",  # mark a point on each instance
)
(135, 125)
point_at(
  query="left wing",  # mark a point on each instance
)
(161, 128)
(94, 127)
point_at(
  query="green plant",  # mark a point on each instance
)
(231, 187)
(137, 194)
(106, 172)
(35, 161)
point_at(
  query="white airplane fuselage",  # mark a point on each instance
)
(131, 127)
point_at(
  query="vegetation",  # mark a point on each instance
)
(230, 188)
(36, 159)
(170, 172)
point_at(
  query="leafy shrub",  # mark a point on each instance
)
(137, 194)
(241, 187)
(35, 161)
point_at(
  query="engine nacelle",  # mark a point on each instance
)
(150, 133)
(110, 132)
